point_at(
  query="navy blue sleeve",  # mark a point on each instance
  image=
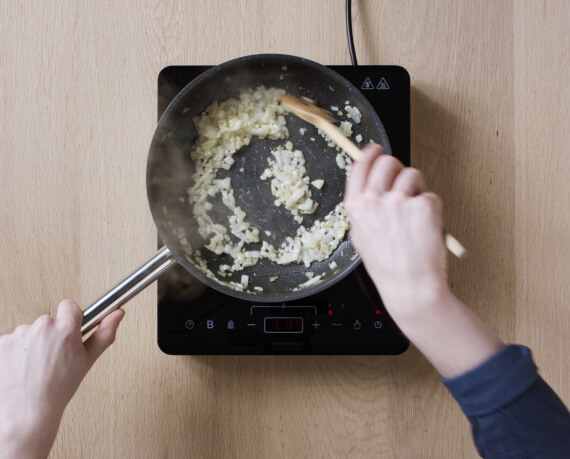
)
(513, 412)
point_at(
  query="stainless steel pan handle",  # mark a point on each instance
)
(127, 288)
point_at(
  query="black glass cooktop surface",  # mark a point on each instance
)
(345, 319)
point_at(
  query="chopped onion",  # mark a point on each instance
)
(223, 129)
(354, 113)
(310, 282)
(289, 181)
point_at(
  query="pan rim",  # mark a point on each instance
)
(254, 296)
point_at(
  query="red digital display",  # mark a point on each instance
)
(283, 325)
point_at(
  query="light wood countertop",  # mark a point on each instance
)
(490, 110)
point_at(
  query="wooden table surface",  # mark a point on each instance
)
(490, 130)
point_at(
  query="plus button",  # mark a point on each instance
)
(316, 324)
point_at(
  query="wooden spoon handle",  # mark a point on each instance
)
(454, 246)
(340, 139)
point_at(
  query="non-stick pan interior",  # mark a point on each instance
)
(170, 169)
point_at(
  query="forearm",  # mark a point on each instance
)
(26, 444)
(17, 450)
(447, 332)
(28, 427)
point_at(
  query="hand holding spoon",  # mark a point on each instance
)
(322, 119)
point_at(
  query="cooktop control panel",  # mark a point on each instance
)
(346, 319)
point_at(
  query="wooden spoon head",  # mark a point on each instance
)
(305, 109)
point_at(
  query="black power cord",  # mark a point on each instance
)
(349, 32)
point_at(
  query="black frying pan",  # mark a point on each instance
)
(170, 168)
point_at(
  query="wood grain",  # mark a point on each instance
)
(489, 129)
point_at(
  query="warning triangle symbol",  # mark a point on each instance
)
(367, 84)
(383, 84)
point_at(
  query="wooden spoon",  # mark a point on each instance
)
(315, 115)
(310, 112)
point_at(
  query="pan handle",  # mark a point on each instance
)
(127, 288)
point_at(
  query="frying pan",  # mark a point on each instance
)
(170, 170)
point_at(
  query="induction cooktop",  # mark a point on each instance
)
(348, 318)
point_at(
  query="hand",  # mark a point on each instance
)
(396, 227)
(42, 367)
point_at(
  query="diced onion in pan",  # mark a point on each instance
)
(223, 129)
